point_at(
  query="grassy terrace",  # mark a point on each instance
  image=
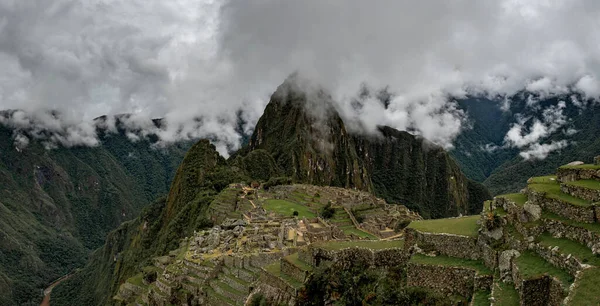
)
(589, 184)
(373, 245)
(586, 166)
(548, 179)
(293, 259)
(353, 230)
(287, 208)
(137, 280)
(553, 191)
(587, 290)
(275, 269)
(518, 198)
(466, 226)
(593, 227)
(533, 266)
(505, 294)
(447, 261)
(567, 246)
(481, 298)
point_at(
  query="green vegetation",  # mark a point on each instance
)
(481, 298)
(293, 259)
(568, 246)
(590, 184)
(553, 191)
(533, 266)
(466, 226)
(447, 261)
(587, 288)
(584, 166)
(351, 230)
(275, 269)
(327, 211)
(373, 245)
(594, 227)
(505, 294)
(548, 179)
(518, 198)
(287, 208)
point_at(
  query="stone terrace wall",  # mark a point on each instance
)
(446, 244)
(275, 289)
(293, 271)
(556, 258)
(344, 258)
(581, 192)
(581, 235)
(570, 175)
(542, 291)
(442, 279)
(562, 208)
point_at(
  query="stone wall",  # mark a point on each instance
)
(446, 244)
(587, 194)
(570, 174)
(441, 279)
(275, 290)
(581, 235)
(488, 255)
(293, 271)
(542, 291)
(344, 258)
(573, 212)
(566, 262)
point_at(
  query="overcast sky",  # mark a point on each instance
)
(190, 59)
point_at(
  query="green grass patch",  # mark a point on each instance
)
(275, 269)
(373, 245)
(567, 246)
(481, 298)
(448, 261)
(351, 230)
(553, 191)
(589, 184)
(593, 227)
(466, 226)
(287, 208)
(587, 289)
(505, 295)
(138, 280)
(293, 259)
(533, 266)
(548, 179)
(518, 198)
(585, 166)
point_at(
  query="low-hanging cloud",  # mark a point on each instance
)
(196, 63)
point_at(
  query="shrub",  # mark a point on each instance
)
(327, 211)
(401, 225)
(295, 213)
(492, 221)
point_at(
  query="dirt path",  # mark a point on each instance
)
(47, 291)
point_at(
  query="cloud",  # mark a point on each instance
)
(541, 151)
(196, 63)
(521, 135)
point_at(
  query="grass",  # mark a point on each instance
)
(373, 245)
(587, 290)
(293, 259)
(548, 179)
(137, 280)
(533, 266)
(287, 208)
(585, 166)
(518, 198)
(553, 191)
(589, 184)
(567, 246)
(353, 230)
(466, 226)
(481, 298)
(505, 295)
(447, 261)
(275, 269)
(593, 227)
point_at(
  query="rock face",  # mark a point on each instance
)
(309, 141)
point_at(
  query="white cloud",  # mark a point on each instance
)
(196, 63)
(541, 151)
